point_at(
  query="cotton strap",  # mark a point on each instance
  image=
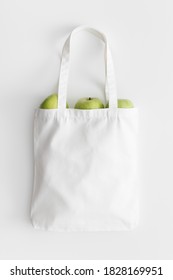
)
(110, 86)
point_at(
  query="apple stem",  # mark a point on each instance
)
(89, 98)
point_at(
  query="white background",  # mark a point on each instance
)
(31, 37)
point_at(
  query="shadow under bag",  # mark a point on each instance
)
(85, 175)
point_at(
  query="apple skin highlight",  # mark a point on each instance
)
(88, 103)
(123, 103)
(51, 102)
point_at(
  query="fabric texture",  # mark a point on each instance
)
(86, 176)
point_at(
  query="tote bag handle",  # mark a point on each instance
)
(110, 86)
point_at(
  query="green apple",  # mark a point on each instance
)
(123, 103)
(51, 102)
(89, 103)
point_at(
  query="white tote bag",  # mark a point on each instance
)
(85, 175)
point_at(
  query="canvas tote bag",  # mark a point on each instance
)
(85, 175)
